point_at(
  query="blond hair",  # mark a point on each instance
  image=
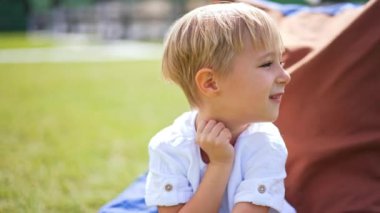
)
(209, 37)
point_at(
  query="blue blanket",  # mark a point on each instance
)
(130, 200)
(292, 9)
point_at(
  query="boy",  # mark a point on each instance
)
(224, 155)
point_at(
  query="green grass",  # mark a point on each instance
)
(24, 40)
(73, 136)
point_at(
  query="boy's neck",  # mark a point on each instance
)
(235, 128)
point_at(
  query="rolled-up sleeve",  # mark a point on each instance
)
(166, 184)
(264, 173)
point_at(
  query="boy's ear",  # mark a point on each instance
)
(206, 81)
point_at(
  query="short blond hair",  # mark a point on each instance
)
(209, 37)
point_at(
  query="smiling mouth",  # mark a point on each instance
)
(276, 97)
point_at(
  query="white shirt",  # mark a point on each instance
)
(176, 167)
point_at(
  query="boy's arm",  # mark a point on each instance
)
(214, 139)
(209, 195)
(244, 207)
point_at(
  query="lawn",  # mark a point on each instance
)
(74, 135)
(24, 40)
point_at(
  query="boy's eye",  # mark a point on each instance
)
(266, 64)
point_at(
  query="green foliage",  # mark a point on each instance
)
(73, 136)
(13, 15)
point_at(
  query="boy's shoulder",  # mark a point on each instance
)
(266, 128)
(264, 135)
(180, 133)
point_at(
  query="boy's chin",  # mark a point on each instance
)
(268, 119)
(273, 118)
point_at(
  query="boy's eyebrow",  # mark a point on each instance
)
(266, 55)
(269, 54)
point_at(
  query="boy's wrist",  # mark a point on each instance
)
(221, 164)
(226, 160)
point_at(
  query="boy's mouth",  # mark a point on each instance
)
(276, 97)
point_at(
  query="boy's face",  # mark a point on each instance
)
(252, 91)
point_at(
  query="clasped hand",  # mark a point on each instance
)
(214, 138)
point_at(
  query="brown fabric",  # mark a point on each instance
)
(330, 115)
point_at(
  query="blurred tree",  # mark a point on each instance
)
(13, 15)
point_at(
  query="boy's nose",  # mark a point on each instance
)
(284, 77)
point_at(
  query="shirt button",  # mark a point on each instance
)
(261, 189)
(168, 187)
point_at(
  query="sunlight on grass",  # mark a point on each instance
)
(72, 136)
(24, 40)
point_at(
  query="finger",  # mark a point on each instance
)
(224, 135)
(215, 131)
(209, 125)
(201, 126)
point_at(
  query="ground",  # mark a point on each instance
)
(74, 134)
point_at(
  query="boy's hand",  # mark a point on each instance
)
(214, 138)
